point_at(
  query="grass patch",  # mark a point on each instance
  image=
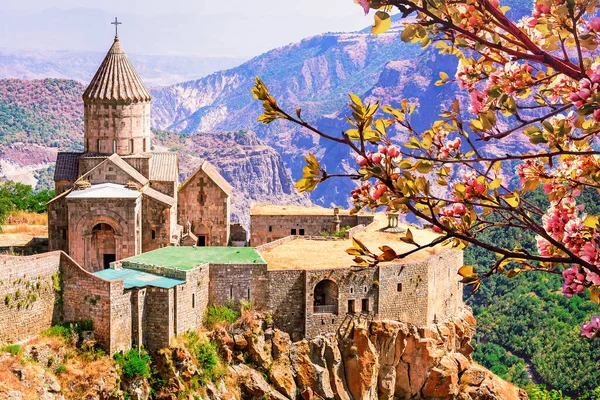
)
(134, 364)
(68, 330)
(219, 314)
(60, 369)
(339, 234)
(13, 349)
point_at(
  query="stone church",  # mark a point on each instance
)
(118, 198)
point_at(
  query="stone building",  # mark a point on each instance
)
(118, 198)
(271, 222)
(308, 284)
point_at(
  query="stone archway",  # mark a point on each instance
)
(96, 236)
(103, 249)
(326, 297)
(202, 232)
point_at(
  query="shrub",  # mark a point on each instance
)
(61, 369)
(134, 364)
(340, 234)
(207, 356)
(218, 314)
(69, 330)
(13, 349)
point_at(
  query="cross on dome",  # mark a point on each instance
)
(116, 23)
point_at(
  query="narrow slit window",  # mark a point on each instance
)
(399, 288)
(248, 293)
(114, 145)
(270, 229)
(131, 146)
(230, 292)
(98, 145)
(193, 300)
(153, 234)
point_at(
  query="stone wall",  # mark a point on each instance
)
(230, 283)
(58, 225)
(445, 298)
(160, 318)
(191, 300)
(268, 228)
(28, 299)
(287, 300)
(358, 289)
(110, 128)
(403, 291)
(157, 224)
(87, 297)
(202, 202)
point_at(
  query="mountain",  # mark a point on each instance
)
(81, 65)
(316, 75)
(38, 118)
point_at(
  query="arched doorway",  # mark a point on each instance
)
(104, 242)
(202, 233)
(326, 297)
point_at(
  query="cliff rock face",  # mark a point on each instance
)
(365, 360)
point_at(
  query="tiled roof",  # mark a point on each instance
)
(67, 166)
(164, 167)
(213, 174)
(116, 79)
(156, 195)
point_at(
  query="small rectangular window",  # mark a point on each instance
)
(270, 229)
(231, 293)
(248, 293)
(399, 288)
(301, 232)
(351, 307)
(193, 300)
(64, 234)
(293, 231)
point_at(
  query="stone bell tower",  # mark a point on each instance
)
(117, 108)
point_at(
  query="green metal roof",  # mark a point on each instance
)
(187, 257)
(133, 278)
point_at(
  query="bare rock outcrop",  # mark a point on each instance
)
(369, 360)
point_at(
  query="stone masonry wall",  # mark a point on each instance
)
(159, 328)
(445, 291)
(105, 123)
(206, 206)
(230, 283)
(287, 300)
(87, 296)
(268, 228)
(28, 300)
(403, 292)
(58, 225)
(191, 300)
(358, 286)
(156, 224)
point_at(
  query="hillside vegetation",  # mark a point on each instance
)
(530, 318)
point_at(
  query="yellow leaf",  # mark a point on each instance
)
(466, 270)
(513, 200)
(591, 221)
(595, 294)
(495, 184)
(383, 23)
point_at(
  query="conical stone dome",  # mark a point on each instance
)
(116, 80)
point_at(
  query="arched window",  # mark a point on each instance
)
(326, 297)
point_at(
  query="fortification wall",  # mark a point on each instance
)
(160, 318)
(268, 228)
(28, 299)
(445, 291)
(287, 300)
(86, 296)
(357, 292)
(191, 299)
(403, 291)
(230, 283)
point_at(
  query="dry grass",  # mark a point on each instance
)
(326, 254)
(26, 218)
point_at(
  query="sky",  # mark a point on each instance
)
(236, 28)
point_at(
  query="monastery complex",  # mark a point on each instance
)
(142, 254)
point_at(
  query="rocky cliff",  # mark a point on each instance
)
(365, 360)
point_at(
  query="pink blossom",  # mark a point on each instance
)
(590, 330)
